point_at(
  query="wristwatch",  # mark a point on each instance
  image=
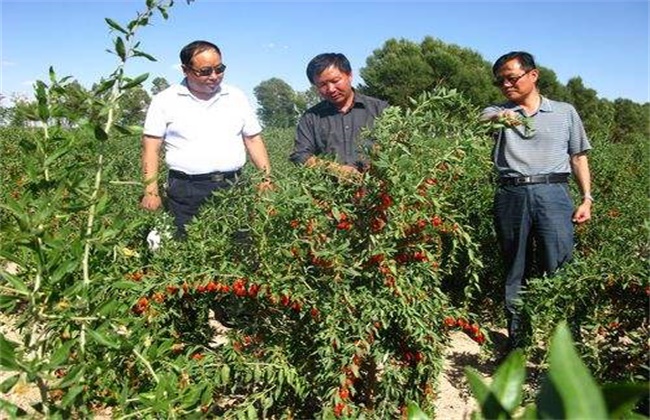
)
(589, 197)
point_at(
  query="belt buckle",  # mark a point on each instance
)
(522, 180)
(217, 177)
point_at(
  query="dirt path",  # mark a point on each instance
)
(455, 401)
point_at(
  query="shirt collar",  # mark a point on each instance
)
(544, 106)
(185, 91)
(360, 101)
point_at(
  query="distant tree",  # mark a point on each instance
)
(77, 101)
(597, 115)
(402, 69)
(278, 103)
(133, 106)
(307, 99)
(396, 72)
(5, 112)
(158, 85)
(630, 122)
(24, 111)
(549, 86)
(460, 68)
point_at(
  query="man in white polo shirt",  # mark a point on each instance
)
(206, 127)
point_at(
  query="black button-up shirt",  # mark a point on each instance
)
(323, 130)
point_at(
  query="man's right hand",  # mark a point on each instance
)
(348, 172)
(509, 118)
(151, 201)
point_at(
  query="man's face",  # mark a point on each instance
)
(515, 82)
(208, 61)
(335, 86)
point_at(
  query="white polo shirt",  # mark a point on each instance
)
(202, 136)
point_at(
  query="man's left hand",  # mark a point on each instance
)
(265, 185)
(582, 213)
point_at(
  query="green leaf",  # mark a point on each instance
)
(107, 307)
(57, 154)
(251, 412)
(18, 286)
(123, 130)
(41, 97)
(490, 406)
(509, 379)
(52, 75)
(71, 394)
(63, 269)
(225, 375)
(75, 374)
(7, 354)
(104, 86)
(413, 412)
(135, 82)
(116, 26)
(145, 55)
(100, 134)
(621, 399)
(11, 409)
(9, 383)
(164, 13)
(570, 391)
(120, 49)
(9, 302)
(60, 356)
(101, 339)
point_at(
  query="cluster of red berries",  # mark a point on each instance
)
(471, 329)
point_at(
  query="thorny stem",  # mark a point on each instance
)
(147, 365)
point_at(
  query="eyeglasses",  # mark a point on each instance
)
(498, 82)
(207, 71)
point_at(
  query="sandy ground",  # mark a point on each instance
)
(455, 401)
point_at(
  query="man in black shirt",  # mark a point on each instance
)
(332, 127)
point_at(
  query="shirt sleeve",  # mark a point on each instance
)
(154, 123)
(578, 142)
(490, 111)
(251, 124)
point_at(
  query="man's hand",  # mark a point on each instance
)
(265, 185)
(151, 201)
(348, 172)
(583, 212)
(508, 118)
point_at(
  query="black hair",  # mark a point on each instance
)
(322, 61)
(526, 60)
(196, 47)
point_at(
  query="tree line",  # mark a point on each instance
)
(398, 71)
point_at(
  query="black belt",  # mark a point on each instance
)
(212, 176)
(534, 179)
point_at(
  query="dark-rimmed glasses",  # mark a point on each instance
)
(207, 71)
(512, 80)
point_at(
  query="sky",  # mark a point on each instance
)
(603, 42)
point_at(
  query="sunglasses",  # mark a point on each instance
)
(207, 71)
(498, 82)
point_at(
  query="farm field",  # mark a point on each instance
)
(330, 318)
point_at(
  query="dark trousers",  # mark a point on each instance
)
(522, 214)
(185, 195)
